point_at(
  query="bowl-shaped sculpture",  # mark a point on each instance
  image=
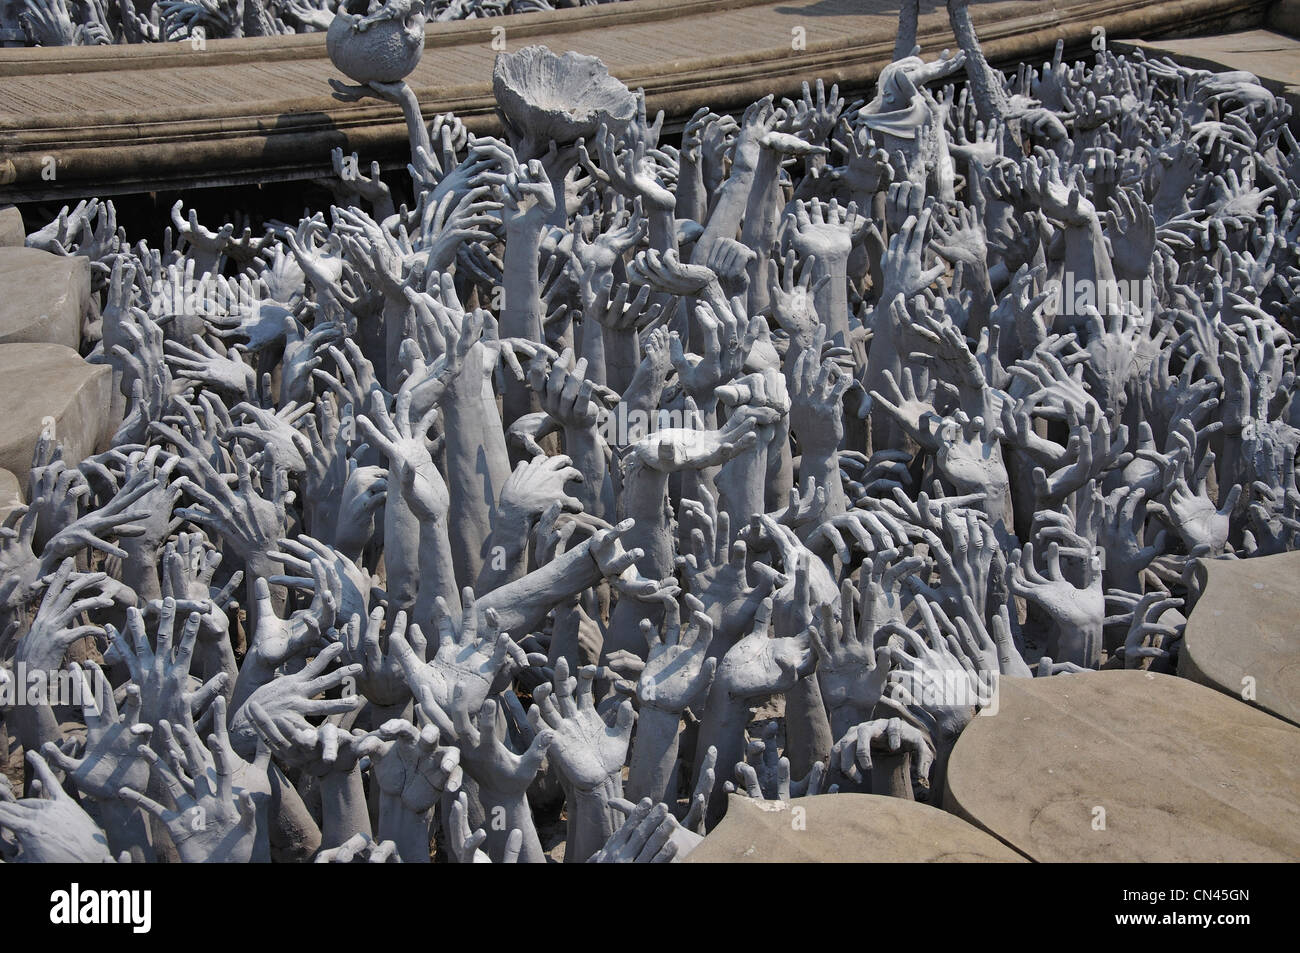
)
(547, 98)
(368, 50)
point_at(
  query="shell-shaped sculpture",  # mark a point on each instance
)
(559, 98)
(382, 52)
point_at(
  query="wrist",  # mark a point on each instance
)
(833, 261)
(610, 786)
(591, 820)
(216, 655)
(255, 672)
(126, 829)
(524, 229)
(512, 521)
(407, 829)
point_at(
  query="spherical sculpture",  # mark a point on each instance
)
(381, 48)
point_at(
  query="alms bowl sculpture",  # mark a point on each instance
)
(383, 47)
(548, 98)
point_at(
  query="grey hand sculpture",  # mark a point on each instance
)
(589, 751)
(212, 821)
(412, 771)
(50, 828)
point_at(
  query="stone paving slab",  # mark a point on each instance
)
(1244, 634)
(845, 828)
(1182, 772)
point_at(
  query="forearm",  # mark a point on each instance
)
(214, 656)
(416, 131)
(260, 566)
(654, 753)
(845, 717)
(622, 358)
(126, 830)
(292, 831)
(343, 807)
(506, 813)
(807, 728)
(1087, 259)
(523, 604)
(565, 630)
(521, 313)
(1123, 575)
(723, 728)
(139, 571)
(832, 300)
(402, 550)
(982, 299)
(437, 573)
(891, 774)
(253, 674)
(1170, 200)
(742, 485)
(692, 200)
(939, 771)
(644, 492)
(642, 395)
(730, 209)
(477, 467)
(593, 349)
(398, 316)
(587, 451)
(822, 463)
(1080, 644)
(762, 218)
(662, 229)
(507, 551)
(780, 470)
(591, 820)
(1231, 462)
(34, 724)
